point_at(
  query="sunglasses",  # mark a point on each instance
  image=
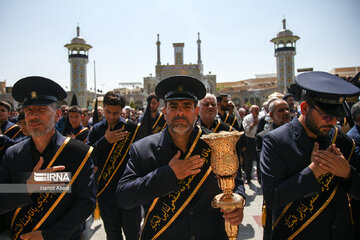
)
(326, 117)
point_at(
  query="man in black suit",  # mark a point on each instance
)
(307, 165)
(111, 139)
(169, 172)
(225, 116)
(207, 115)
(43, 211)
(8, 129)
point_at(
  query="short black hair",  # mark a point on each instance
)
(114, 98)
(85, 110)
(151, 97)
(287, 96)
(220, 97)
(75, 108)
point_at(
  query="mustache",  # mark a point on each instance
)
(35, 121)
(180, 118)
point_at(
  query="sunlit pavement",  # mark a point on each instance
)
(249, 229)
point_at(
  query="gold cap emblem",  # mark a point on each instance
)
(33, 95)
(180, 88)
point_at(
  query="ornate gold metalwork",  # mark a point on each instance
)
(225, 164)
(33, 95)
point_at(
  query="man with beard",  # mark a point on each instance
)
(169, 172)
(111, 139)
(153, 120)
(56, 213)
(225, 116)
(289, 98)
(307, 165)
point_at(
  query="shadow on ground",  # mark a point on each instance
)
(246, 232)
(89, 232)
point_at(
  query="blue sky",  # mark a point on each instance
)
(235, 36)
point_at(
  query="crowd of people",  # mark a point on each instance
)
(149, 174)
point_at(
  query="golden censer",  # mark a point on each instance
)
(225, 164)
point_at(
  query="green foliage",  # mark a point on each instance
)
(132, 105)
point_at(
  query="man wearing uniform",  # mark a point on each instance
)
(207, 119)
(153, 120)
(169, 172)
(208, 112)
(225, 116)
(46, 214)
(307, 166)
(6, 142)
(76, 130)
(22, 135)
(63, 124)
(10, 133)
(7, 129)
(111, 139)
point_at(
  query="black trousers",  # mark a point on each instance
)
(250, 156)
(116, 219)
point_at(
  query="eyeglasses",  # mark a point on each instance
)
(326, 117)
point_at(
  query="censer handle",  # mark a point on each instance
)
(231, 231)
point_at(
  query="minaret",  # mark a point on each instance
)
(78, 52)
(285, 50)
(179, 53)
(158, 50)
(199, 49)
